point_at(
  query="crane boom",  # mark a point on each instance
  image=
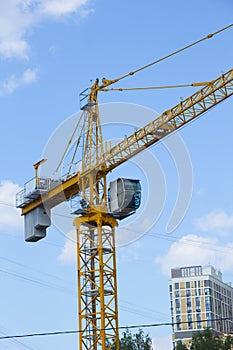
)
(171, 120)
(184, 112)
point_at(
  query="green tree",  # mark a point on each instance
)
(181, 346)
(138, 341)
(207, 341)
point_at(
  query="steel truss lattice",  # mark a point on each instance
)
(97, 286)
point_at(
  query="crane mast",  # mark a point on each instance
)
(96, 256)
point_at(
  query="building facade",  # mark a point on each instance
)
(199, 299)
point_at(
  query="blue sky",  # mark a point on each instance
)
(49, 52)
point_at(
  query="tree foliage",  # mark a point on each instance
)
(207, 341)
(138, 341)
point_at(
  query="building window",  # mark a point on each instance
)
(209, 316)
(190, 322)
(177, 293)
(189, 304)
(206, 283)
(178, 321)
(207, 291)
(188, 292)
(208, 303)
(177, 302)
(187, 285)
(176, 285)
(170, 288)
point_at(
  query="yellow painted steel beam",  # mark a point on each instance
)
(97, 282)
(184, 112)
(56, 195)
(194, 106)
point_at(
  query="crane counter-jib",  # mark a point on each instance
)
(54, 196)
(192, 107)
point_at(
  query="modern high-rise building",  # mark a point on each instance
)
(199, 299)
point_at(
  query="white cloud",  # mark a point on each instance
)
(8, 86)
(127, 254)
(196, 250)
(14, 23)
(10, 218)
(60, 7)
(68, 253)
(215, 221)
(18, 17)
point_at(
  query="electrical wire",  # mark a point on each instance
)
(14, 262)
(155, 235)
(38, 282)
(187, 241)
(140, 326)
(7, 204)
(25, 346)
(146, 312)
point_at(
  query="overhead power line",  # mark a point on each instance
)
(139, 326)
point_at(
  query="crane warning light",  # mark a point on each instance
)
(124, 197)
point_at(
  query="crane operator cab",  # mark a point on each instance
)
(124, 197)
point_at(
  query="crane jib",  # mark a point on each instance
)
(178, 116)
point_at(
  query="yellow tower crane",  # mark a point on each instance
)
(95, 222)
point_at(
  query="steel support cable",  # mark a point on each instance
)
(149, 325)
(209, 36)
(82, 117)
(158, 87)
